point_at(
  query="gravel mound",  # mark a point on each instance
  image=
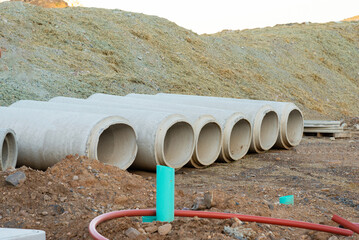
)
(79, 51)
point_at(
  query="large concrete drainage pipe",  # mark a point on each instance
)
(163, 138)
(46, 137)
(236, 129)
(292, 130)
(264, 134)
(8, 149)
(208, 147)
(238, 135)
(208, 133)
(290, 120)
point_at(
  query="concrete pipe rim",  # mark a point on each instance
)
(269, 130)
(8, 150)
(237, 138)
(113, 141)
(293, 128)
(208, 142)
(175, 142)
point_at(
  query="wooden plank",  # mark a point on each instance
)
(345, 134)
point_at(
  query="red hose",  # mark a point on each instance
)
(186, 213)
(345, 223)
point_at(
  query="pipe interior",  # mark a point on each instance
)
(209, 143)
(178, 144)
(5, 153)
(240, 139)
(117, 145)
(269, 130)
(294, 127)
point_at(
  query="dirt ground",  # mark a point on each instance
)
(322, 174)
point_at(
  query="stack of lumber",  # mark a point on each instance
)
(325, 128)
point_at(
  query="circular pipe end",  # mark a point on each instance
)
(175, 142)
(269, 130)
(8, 149)
(208, 145)
(294, 128)
(236, 138)
(265, 129)
(113, 142)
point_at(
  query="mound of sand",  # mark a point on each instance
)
(79, 51)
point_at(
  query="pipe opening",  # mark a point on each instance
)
(269, 130)
(5, 153)
(117, 146)
(294, 127)
(240, 139)
(209, 143)
(178, 145)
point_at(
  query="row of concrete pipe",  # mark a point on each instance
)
(143, 131)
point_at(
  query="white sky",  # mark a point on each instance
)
(210, 16)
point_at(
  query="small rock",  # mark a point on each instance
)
(44, 213)
(75, 178)
(237, 223)
(333, 238)
(132, 233)
(62, 199)
(207, 199)
(164, 229)
(270, 206)
(262, 237)
(277, 158)
(204, 202)
(47, 197)
(16, 178)
(305, 237)
(239, 232)
(151, 229)
(33, 196)
(142, 231)
(332, 138)
(271, 235)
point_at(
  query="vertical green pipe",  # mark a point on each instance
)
(165, 197)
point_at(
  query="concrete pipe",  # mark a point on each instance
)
(291, 122)
(208, 133)
(264, 119)
(46, 137)
(235, 127)
(8, 149)
(163, 138)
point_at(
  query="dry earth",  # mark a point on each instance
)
(323, 176)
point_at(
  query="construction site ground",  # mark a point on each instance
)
(75, 52)
(322, 174)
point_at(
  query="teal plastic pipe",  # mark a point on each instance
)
(165, 197)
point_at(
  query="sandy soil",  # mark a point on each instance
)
(322, 174)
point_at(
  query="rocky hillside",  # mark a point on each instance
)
(78, 51)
